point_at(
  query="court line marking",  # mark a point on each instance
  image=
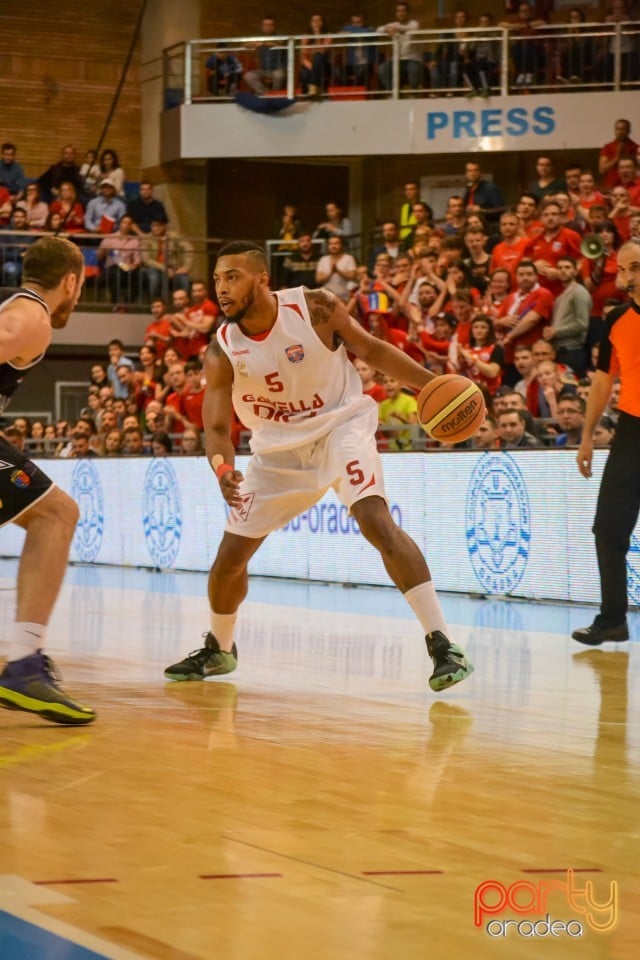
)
(401, 873)
(309, 863)
(53, 883)
(236, 876)
(560, 869)
(72, 784)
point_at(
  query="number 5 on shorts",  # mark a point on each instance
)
(355, 474)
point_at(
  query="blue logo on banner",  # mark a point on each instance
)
(162, 513)
(86, 490)
(633, 571)
(498, 523)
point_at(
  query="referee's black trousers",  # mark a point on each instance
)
(616, 517)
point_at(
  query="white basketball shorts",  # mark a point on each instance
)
(280, 486)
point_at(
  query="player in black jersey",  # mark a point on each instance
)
(53, 273)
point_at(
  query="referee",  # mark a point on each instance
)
(619, 497)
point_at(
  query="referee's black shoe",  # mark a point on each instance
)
(596, 634)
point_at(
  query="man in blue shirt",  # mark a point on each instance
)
(482, 196)
(360, 57)
(11, 173)
(117, 359)
(272, 62)
(570, 419)
(104, 208)
(13, 245)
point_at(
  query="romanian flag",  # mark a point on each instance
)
(378, 302)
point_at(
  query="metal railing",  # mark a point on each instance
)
(602, 56)
(121, 276)
(111, 281)
(408, 438)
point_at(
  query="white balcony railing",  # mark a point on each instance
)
(436, 63)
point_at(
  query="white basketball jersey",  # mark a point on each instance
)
(288, 388)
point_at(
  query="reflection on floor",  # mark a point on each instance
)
(321, 801)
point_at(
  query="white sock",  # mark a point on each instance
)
(424, 602)
(25, 639)
(222, 627)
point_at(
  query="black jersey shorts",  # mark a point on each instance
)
(22, 483)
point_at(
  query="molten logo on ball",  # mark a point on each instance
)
(461, 416)
(451, 408)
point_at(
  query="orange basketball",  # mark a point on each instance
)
(451, 408)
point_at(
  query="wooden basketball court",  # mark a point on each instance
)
(320, 803)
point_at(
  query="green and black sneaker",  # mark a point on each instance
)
(209, 661)
(450, 663)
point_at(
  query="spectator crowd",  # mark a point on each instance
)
(512, 297)
(463, 55)
(130, 252)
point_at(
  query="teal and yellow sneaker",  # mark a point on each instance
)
(450, 663)
(30, 684)
(209, 661)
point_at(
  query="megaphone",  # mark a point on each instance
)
(592, 246)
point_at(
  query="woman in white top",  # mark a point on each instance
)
(110, 167)
(90, 174)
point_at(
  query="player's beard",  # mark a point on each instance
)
(62, 312)
(240, 314)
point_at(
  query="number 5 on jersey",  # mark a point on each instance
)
(274, 384)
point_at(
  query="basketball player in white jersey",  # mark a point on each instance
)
(52, 274)
(280, 360)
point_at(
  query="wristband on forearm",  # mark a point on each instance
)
(222, 469)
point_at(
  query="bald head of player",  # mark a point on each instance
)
(628, 278)
(54, 268)
(241, 280)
